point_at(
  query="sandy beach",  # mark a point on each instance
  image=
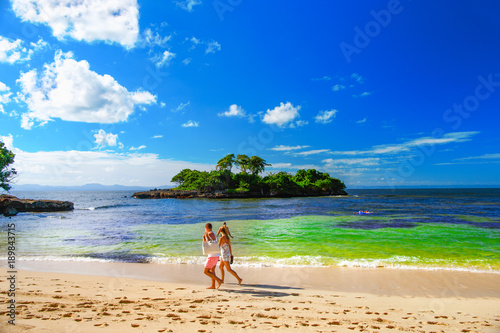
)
(125, 297)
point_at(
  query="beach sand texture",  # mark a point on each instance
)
(270, 299)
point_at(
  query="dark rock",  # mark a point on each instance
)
(180, 194)
(9, 204)
(10, 211)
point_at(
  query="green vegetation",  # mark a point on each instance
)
(304, 182)
(6, 173)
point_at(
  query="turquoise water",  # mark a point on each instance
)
(412, 229)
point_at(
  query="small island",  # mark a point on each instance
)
(222, 183)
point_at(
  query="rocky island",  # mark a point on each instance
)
(222, 183)
(11, 205)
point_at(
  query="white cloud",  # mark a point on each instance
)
(409, 145)
(188, 4)
(233, 111)
(362, 121)
(195, 41)
(364, 94)
(191, 123)
(338, 87)
(481, 157)
(137, 148)
(358, 78)
(280, 165)
(324, 78)
(4, 96)
(290, 166)
(8, 140)
(212, 47)
(186, 61)
(325, 117)
(369, 161)
(69, 90)
(181, 106)
(153, 38)
(84, 20)
(12, 51)
(64, 168)
(288, 148)
(312, 152)
(104, 139)
(161, 60)
(284, 114)
(157, 137)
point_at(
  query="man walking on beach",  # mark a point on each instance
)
(212, 259)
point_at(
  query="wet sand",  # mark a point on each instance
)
(125, 297)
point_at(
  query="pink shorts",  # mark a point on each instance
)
(211, 262)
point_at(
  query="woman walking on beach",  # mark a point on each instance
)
(227, 255)
(212, 259)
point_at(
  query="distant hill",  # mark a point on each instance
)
(86, 187)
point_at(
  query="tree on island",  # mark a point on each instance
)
(304, 182)
(6, 174)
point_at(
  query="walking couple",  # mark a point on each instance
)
(226, 254)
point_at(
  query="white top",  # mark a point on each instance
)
(213, 254)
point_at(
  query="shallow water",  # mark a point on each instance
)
(457, 229)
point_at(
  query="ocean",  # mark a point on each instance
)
(451, 229)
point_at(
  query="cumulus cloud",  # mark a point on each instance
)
(8, 140)
(67, 89)
(338, 87)
(63, 168)
(12, 51)
(104, 139)
(325, 117)
(282, 115)
(84, 20)
(4, 96)
(233, 111)
(212, 47)
(191, 123)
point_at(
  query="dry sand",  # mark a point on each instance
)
(117, 297)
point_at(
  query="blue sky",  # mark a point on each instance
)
(377, 93)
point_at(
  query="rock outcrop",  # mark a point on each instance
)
(11, 205)
(179, 194)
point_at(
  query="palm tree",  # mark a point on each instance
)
(225, 163)
(243, 162)
(257, 165)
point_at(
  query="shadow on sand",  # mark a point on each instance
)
(261, 290)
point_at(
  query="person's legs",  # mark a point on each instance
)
(210, 272)
(211, 275)
(222, 273)
(230, 270)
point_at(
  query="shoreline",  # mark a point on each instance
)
(130, 297)
(377, 281)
